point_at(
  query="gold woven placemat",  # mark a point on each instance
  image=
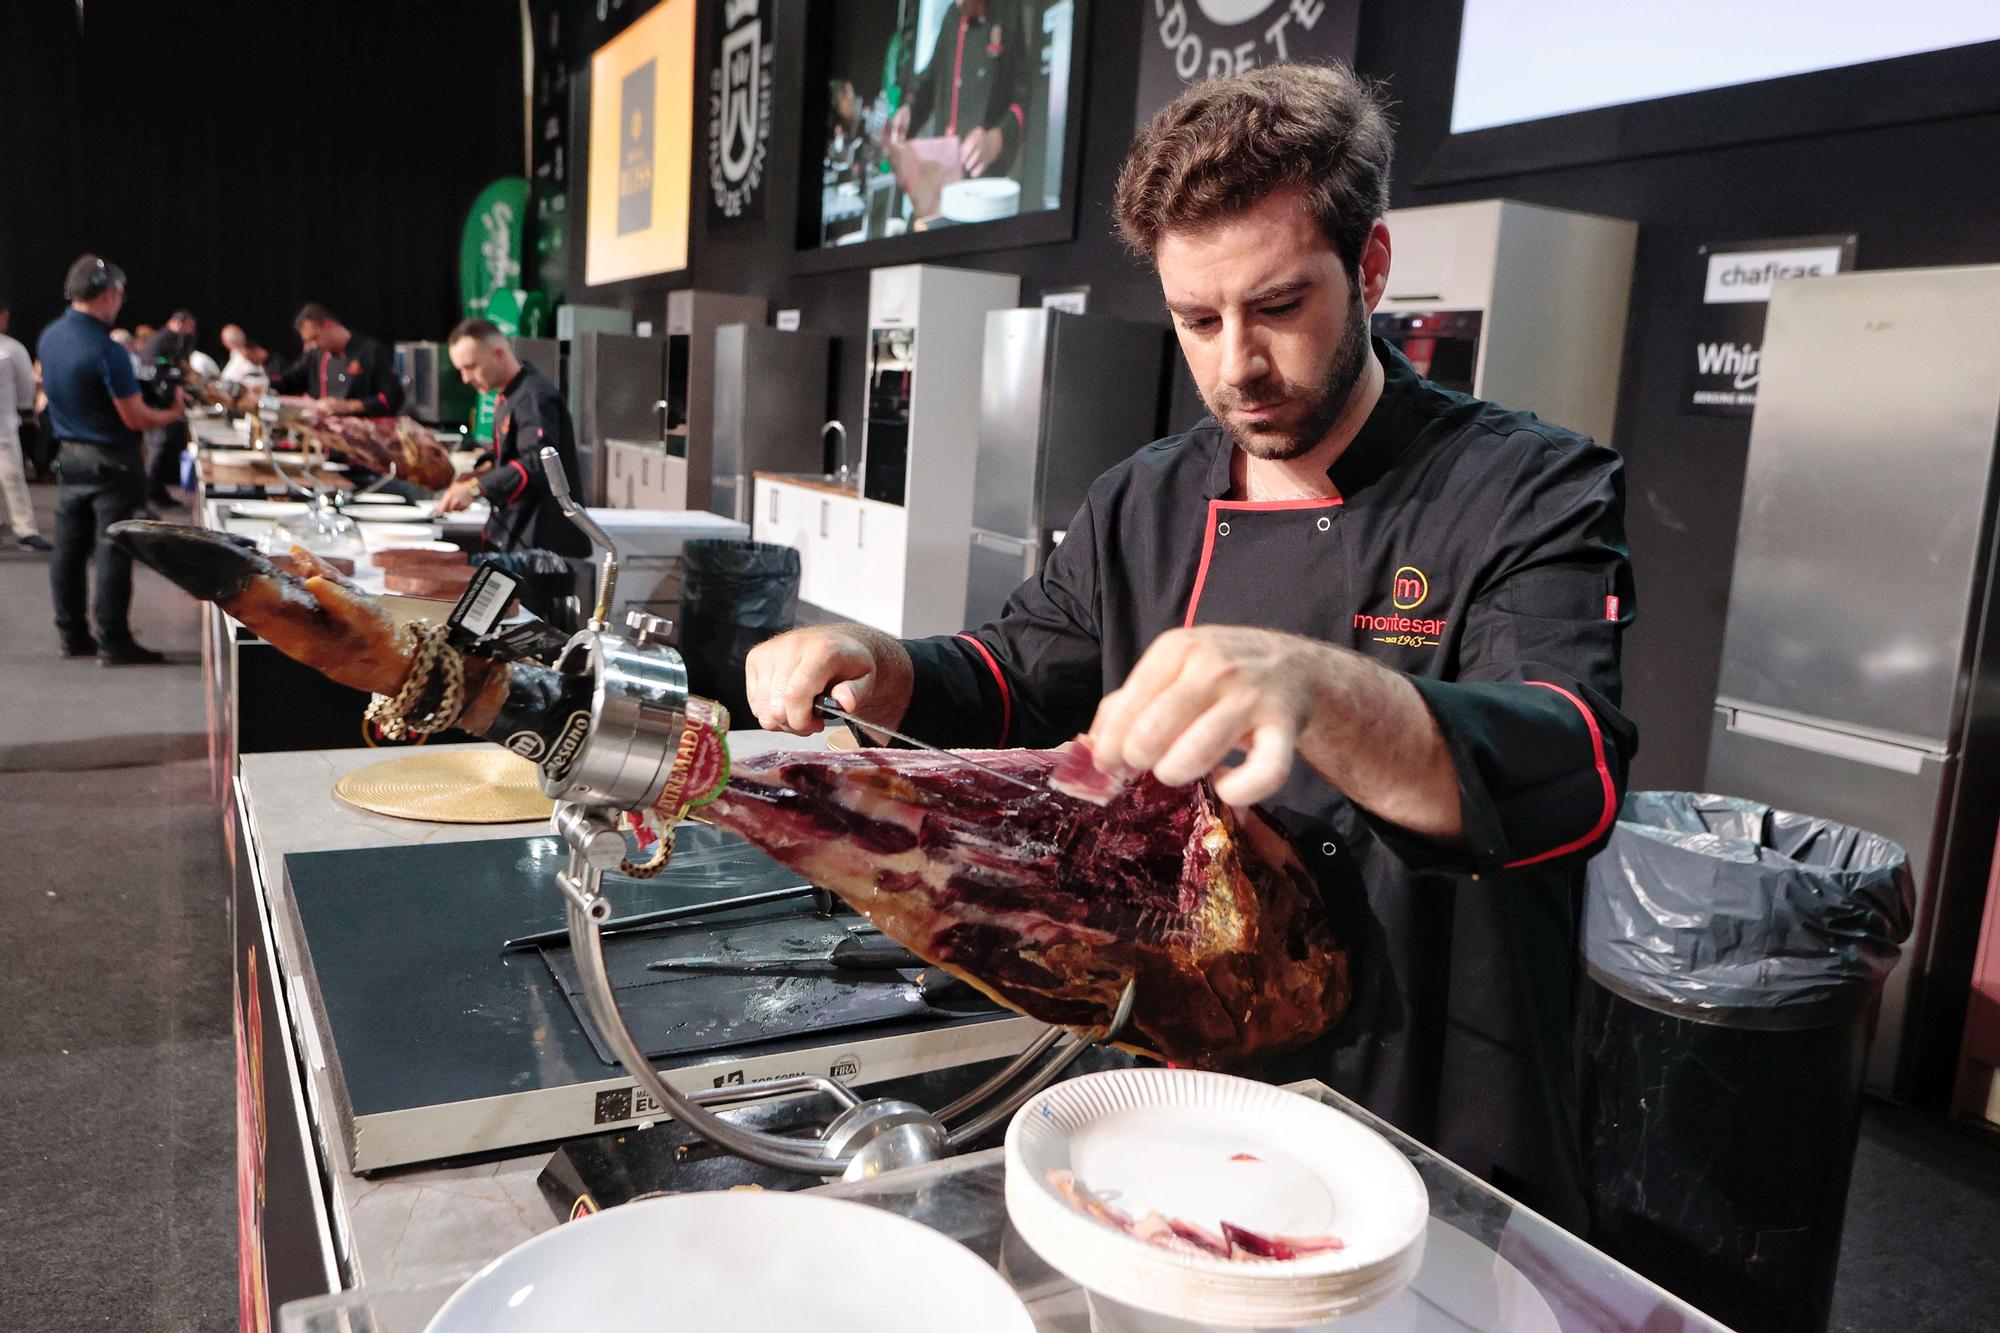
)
(460, 787)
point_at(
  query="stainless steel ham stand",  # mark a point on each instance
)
(638, 701)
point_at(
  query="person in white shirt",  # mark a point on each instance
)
(246, 360)
(17, 394)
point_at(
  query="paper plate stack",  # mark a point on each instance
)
(1207, 1149)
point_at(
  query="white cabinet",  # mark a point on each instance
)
(852, 552)
(639, 474)
(881, 541)
(830, 538)
(781, 518)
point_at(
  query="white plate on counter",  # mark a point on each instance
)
(1205, 1149)
(751, 1261)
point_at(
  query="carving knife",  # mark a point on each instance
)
(826, 707)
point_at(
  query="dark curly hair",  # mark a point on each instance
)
(1222, 145)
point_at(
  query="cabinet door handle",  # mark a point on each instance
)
(773, 494)
(823, 505)
(860, 527)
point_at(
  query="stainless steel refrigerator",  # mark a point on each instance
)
(1858, 678)
(1061, 398)
(618, 385)
(770, 403)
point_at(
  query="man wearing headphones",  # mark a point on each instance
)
(95, 414)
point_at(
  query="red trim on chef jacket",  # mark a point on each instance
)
(1006, 696)
(520, 490)
(1020, 116)
(1610, 810)
(1208, 538)
(957, 74)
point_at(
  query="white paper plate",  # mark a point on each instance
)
(443, 548)
(381, 536)
(748, 1261)
(266, 508)
(1463, 1285)
(1163, 1140)
(376, 498)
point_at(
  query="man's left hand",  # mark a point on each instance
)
(458, 495)
(979, 150)
(1199, 694)
(339, 407)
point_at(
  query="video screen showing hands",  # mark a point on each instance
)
(943, 113)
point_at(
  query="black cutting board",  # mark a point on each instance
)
(422, 1006)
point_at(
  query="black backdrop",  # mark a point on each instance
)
(241, 157)
(1918, 194)
(423, 107)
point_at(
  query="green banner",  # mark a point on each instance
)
(491, 246)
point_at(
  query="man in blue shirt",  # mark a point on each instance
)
(95, 415)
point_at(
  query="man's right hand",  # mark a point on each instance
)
(868, 672)
(898, 128)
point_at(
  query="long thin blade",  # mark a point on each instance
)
(834, 711)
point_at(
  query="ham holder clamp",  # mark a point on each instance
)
(641, 733)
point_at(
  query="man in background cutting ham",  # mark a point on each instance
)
(1401, 605)
(528, 416)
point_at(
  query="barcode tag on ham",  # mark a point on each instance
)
(480, 606)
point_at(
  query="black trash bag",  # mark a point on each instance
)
(1712, 905)
(551, 585)
(734, 595)
(1737, 953)
(752, 584)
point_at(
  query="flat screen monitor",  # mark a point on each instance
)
(1539, 84)
(940, 116)
(1521, 60)
(641, 146)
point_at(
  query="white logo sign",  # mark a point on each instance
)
(739, 109)
(1225, 37)
(1743, 276)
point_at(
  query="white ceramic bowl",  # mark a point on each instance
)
(982, 199)
(751, 1261)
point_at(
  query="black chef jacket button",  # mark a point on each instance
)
(1329, 848)
(1222, 528)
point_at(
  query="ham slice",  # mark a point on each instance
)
(1051, 904)
(1076, 774)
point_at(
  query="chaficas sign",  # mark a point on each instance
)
(1728, 358)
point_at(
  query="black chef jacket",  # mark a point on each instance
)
(976, 79)
(1480, 552)
(366, 370)
(529, 416)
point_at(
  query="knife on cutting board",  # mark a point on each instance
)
(856, 953)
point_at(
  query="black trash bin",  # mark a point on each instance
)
(734, 595)
(1735, 956)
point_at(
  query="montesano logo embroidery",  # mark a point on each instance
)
(1409, 591)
